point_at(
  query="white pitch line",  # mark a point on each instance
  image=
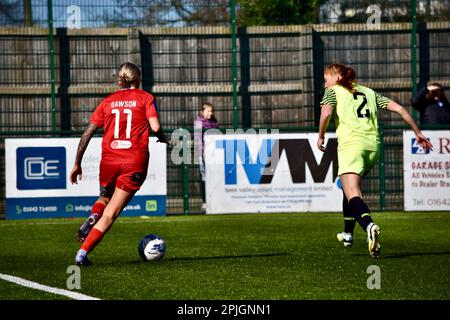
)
(37, 286)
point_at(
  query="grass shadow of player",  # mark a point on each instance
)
(406, 254)
(412, 254)
(263, 255)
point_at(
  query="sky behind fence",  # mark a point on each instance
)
(173, 13)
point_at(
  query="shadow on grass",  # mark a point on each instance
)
(412, 254)
(406, 254)
(230, 257)
(264, 255)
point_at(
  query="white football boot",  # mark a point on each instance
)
(346, 238)
(373, 237)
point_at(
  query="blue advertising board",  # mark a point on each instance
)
(37, 180)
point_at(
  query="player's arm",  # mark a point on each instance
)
(325, 115)
(82, 145)
(406, 116)
(153, 119)
(157, 130)
(326, 110)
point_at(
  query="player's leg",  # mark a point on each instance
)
(348, 161)
(109, 173)
(118, 202)
(349, 219)
(128, 180)
(96, 214)
(349, 224)
(373, 239)
(115, 206)
(351, 183)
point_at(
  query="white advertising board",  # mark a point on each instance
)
(37, 179)
(427, 174)
(271, 173)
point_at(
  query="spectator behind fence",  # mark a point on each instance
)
(204, 121)
(432, 104)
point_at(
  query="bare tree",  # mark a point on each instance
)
(352, 11)
(27, 13)
(168, 13)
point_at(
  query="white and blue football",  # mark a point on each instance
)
(152, 248)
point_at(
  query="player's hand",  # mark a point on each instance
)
(424, 142)
(163, 141)
(161, 137)
(320, 144)
(76, 174)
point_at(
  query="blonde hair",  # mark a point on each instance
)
(129, 75)
(207, 105)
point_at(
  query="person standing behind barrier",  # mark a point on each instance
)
(432, 104)
(203, 121)
(356, 108)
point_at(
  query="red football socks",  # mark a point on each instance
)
(98, 208)
(94, 237)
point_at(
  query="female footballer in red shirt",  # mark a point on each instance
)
(127, 117)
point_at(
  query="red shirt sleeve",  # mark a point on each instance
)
(150, 108)
(98, 116)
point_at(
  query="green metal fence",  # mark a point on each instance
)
(176, 13)
(257, 76)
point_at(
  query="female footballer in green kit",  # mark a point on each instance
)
(356, 122)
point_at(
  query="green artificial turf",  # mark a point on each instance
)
(252, 256)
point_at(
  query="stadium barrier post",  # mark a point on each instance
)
(64, 82)
(414, 52)
(234, 63)
(185, 175)
(382, 171)
(318, 69)
(52, 63)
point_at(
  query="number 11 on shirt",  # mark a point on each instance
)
(129, 114)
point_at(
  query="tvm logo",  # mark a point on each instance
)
(261, 170)
(41, 168)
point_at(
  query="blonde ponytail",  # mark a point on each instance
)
(129, 75)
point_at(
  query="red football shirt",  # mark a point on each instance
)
(124, 116)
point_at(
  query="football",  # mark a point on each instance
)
(152, 247)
